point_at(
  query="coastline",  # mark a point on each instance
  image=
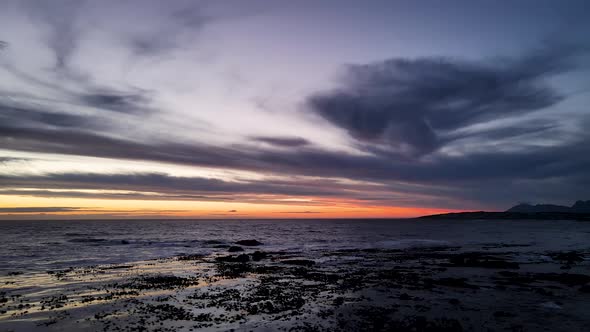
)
(478, 215)
(430, 288)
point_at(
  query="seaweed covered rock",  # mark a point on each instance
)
(259, 255)
(298, 262)
(249, 243)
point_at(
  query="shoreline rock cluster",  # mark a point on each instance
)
(418, 289)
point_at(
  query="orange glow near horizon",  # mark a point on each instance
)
(124, 209)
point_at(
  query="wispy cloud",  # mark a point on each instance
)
(282, 141)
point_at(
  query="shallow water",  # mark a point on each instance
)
(42, 245)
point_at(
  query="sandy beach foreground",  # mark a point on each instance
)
(502, 287)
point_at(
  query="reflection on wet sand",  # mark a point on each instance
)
(420, 289)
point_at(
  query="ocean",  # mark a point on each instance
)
(27, 246)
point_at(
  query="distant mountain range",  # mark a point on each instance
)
(578, 207)
(578, 211)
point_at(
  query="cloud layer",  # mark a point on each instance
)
(415, 105)
(408, 130)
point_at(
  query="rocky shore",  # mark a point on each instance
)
(500, 287)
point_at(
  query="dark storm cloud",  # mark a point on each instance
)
(410, 104)
(129, 101)
(494, 177)
(40, 116)
(38, 209)
(3, 45)
(535, 127)
(534, 162)
(85, 143)
(133, 195)
(4, 160)
(15, 116)
(116, 101)
(282, 141)
(166, 194)
(163, 187)
(177, 187)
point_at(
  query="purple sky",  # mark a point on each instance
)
(448, 105)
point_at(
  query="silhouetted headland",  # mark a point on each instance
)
(578, 211)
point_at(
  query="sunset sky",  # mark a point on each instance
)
(291, 109)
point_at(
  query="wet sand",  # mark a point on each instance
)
(499, 287)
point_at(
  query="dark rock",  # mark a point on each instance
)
(116, 267)
(169, 312)
(330, 278)
(235, 249)
(233, 269)
(193, 257)
(268, 269)
(249, 243)
(453, 282)
(243, 258)
(481, 260)
(567, 257)
(569, 279)
(214, 242)
(298, 262)
(259, 255)
(86, 240)
(544, 292)
(381, 319)
(503, 314)
(160, 282)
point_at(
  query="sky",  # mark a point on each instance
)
(291, 109)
